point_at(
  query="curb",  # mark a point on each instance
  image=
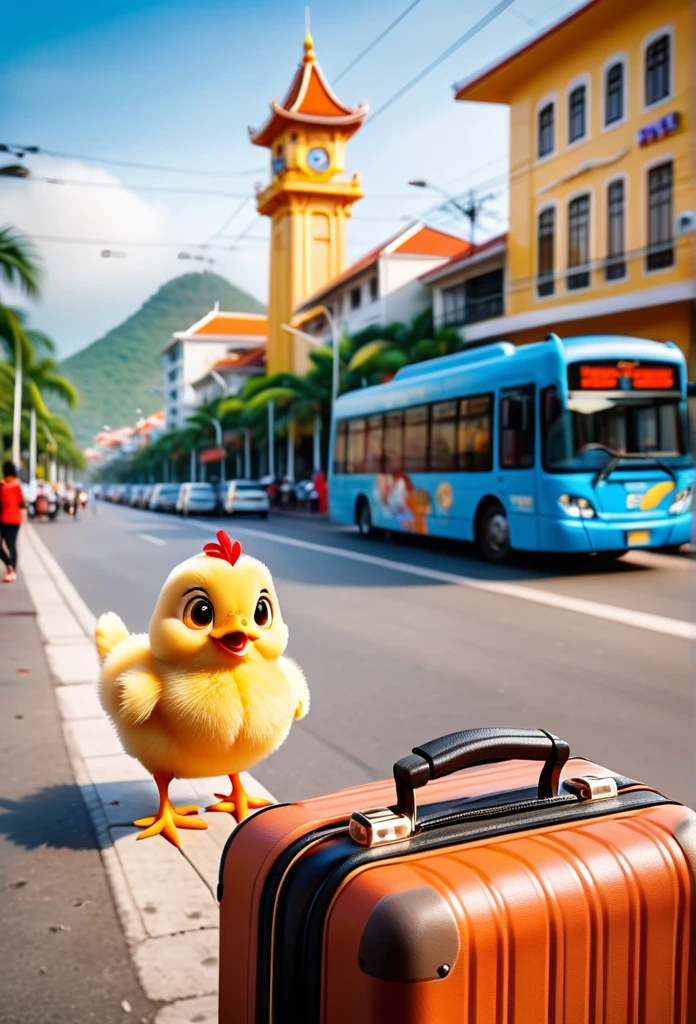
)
(160, 894)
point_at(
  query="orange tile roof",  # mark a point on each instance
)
(254, 357)
(234, 324)
(424, 241)
(310, 99)
(460, 260)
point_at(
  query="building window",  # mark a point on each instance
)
(546, 138)
(545, 247)
(657, 70)
(576, 113)
(614, 94)
(484, 297)
(454, 305)
(517, 428)
(616, 264)
(374, 289)
(355, 298)
(579, 243)
(660, 242)
(173, 395)
(474, 435)
(416, 440)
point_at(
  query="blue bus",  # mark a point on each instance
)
(574, 445)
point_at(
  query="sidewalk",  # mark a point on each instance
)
(64, 958)
(166, 898)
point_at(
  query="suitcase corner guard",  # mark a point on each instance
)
(410, 936)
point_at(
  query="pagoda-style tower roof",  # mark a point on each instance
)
(310, 100)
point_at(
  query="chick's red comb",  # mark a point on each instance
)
(226, 549)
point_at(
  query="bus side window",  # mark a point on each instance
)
(355, 461)
(443, 437)
(339, 465)
(517, 428)
(416, 440)
(375, 434)
(394, 442)
(475, 435)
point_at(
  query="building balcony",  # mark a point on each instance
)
(474, 311)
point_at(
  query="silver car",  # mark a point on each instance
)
(197, 499)
(164, 497)
(244, 496)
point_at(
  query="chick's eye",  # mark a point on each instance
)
(263, 615)
(198, 613)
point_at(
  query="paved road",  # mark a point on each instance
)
(56, 911)
(402, 641)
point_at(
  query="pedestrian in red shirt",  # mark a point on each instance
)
(12, 505)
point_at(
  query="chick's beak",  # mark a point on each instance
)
(234, 635)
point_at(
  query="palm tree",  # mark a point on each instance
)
(19, 266)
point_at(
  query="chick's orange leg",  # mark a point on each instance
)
(238, 802)
(164, 823)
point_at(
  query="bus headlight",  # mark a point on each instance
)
(682, 502)
(576, 507)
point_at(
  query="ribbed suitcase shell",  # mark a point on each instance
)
(586, 923)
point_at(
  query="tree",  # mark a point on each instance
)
(19, 263)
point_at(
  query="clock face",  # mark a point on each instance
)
(318, 160)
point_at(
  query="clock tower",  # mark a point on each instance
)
(307, 201)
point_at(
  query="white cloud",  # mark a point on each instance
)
(85, 294)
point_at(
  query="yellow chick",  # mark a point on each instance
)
(207, 690)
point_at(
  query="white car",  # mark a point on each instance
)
(197, 499)
(244, 496)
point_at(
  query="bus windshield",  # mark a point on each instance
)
(585, 435)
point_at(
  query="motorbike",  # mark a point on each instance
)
(82, 498)
(70, 505)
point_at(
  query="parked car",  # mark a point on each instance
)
(270, 486)
(136, 493)
(97, 492)
(145, 495)
(164, 497)
(197, 499)
(305, 492)
(244, 497)
(124, 494)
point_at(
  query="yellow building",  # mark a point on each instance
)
(306, 201)
(602, 157)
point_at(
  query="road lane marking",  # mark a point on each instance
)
(152, 540)
(611, 613)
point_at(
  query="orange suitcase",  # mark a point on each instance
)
(510, 895)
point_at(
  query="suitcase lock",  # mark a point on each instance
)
(592, 787)
(378, 826)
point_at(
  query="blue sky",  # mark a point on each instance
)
(178, 84)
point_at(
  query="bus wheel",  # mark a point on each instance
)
(493, 533)
(363, 518)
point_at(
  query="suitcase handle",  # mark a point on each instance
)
(471, 747)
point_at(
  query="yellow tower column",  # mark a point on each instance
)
(306, 200)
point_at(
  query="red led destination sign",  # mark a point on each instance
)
(622, 376)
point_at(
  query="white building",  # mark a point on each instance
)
(383, 286)
(190, 355)
(228, 374)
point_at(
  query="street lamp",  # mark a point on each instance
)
(310, 339)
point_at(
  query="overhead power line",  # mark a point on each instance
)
(78, 183)
(18, 150)
(69, 240)
(456, 45)
(378, 39)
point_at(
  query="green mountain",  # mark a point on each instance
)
(113, 374)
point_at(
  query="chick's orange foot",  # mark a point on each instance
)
(165, 822)
(238, 802)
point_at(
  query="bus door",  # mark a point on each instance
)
(517, 455)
